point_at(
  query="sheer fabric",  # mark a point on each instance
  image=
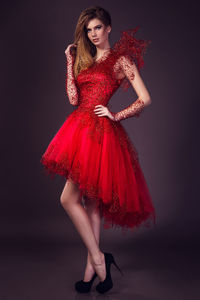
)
(96, 152)
(71, 88)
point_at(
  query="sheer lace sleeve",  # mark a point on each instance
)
(71, 88)
(134, 109)
(129, 52)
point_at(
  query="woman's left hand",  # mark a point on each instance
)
(102, 111)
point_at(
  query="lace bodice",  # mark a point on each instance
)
(96, 84)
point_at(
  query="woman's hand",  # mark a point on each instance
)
(102, 111)
(67, 51)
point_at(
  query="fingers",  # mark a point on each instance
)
(69, 47)
(101, 111)
(100, 107)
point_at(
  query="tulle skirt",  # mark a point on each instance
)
(98, 155)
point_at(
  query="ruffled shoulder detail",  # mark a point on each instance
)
(134, 48)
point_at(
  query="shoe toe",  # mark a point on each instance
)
(82, 287)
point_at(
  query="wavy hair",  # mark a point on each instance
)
(85, 49)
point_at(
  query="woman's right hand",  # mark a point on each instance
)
(67, 51)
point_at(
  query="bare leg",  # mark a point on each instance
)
(71, 201)
(95, 220)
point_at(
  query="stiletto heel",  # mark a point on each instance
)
(84, 286)
(117, 267)
(107, 284)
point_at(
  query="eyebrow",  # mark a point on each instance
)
(94, 26)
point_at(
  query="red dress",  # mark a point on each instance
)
(96, 152)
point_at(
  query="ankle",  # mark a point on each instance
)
(98, 258)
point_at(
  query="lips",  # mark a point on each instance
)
(95, 40)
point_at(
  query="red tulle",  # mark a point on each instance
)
(97, 153)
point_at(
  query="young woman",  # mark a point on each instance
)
(92, 150)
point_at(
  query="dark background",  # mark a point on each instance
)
(42, 254)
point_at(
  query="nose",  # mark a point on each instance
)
(93, 34)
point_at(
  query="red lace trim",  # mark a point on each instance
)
(134, 109)
(129, 46)
(114, 216)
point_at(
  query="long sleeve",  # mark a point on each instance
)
(126, 69)
(71, 88)
(134, 109)
(129, 53)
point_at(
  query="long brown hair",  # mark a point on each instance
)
(85, 50)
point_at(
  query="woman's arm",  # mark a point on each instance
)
(130, 70)
(71, 87)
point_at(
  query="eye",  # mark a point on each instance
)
(97, 27)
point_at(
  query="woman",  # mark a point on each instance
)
(92, 149)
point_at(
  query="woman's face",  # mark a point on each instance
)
(97, 32)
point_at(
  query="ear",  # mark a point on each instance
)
(109, 29)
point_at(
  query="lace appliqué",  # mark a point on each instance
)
(115, 215)
(134, 109)
(96, 152)
(104, 56)
(97, 126)
(71, 88)
(129, 51)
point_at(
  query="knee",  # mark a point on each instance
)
(64, 200)
(69, 196)
(68, 199)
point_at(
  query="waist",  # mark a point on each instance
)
(86, 108)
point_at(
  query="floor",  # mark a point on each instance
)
(46, 269)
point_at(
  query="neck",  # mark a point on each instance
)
(101, 50)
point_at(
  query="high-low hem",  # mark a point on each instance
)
(95, 151)
(113, 216)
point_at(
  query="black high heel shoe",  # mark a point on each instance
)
(84, 286)
(107, 284)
